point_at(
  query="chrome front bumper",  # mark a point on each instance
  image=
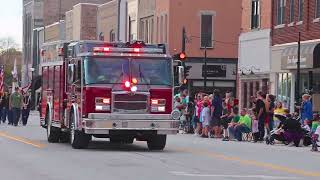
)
(102, 123)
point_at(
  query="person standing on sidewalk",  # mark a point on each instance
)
(15, 104)
(26, 108)
(216, 113)
(1, 106)
(260, 111)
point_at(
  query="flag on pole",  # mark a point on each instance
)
(15, 76)
(1, 79)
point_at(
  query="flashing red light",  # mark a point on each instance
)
(136, 50)
(127, 84)
(106, 49)
(182, 56)
(101, 49)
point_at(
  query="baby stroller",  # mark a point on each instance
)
(277, 134)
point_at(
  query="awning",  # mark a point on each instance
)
(309, 56)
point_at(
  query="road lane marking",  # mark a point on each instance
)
(253, 163)
(232, 176)
(22, 140)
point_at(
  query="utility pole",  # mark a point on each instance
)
(59, 10)
(183, 47)
(298, 71)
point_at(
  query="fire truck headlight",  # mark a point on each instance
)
(134, 88)
(175, 114)
(102, 107)
(161, 108)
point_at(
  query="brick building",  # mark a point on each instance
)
(254, 65)
(289, 18)
(54, 10)
(209, 23)
(32, 18)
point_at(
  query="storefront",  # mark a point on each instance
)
(221, 74)
(286, 78)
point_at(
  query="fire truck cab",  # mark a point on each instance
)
(121, 91)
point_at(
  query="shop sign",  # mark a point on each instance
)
(215, 70)
(291, 62)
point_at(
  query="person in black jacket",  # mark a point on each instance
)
(4, 106)
(293, 132)
(26, 108)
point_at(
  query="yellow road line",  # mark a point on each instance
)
(22, 140)
(253, 163)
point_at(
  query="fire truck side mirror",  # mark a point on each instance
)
(71, 73)
(181, 74)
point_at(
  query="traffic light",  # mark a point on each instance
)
(181, 56)
(187, 71)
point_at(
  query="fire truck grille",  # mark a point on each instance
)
(137, 103)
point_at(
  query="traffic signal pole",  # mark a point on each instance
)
(205, 68)
(298, 71)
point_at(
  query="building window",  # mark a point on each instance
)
(317, 8)
(301, 2)
(255, 14)
(206, 30)
(112, 36)
(291, 10)
(146, 34)
(280, 11)
(166, 29)
(161, 29)
(151, 30)
(142, 30)
(158, 39)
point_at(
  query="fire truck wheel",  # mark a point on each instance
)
(64, 137)
(78, 139)
(53, 133)
(157, 142)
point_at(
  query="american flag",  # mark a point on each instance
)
(1, 79)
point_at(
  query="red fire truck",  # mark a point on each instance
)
(121, 91)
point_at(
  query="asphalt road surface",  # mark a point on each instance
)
(26, 155)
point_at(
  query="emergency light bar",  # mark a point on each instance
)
(127, 50)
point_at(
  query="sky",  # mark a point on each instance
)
(11, 20)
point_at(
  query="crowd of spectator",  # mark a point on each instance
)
(218, 116)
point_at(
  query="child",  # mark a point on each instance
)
(316, 139)
(206, 117)
(255, 130)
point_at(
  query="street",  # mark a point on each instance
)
(25, 154)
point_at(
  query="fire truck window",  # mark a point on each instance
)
(70, 73)
(153, 72)
(105, 70)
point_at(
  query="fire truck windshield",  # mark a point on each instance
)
(114, 70)
(105, 70)
(152, 72)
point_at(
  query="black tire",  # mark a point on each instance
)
(78, 139)
(128, 140)
(64, 137)
(157, 142)
(296, 143)
(53, 133)
(115, 140)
